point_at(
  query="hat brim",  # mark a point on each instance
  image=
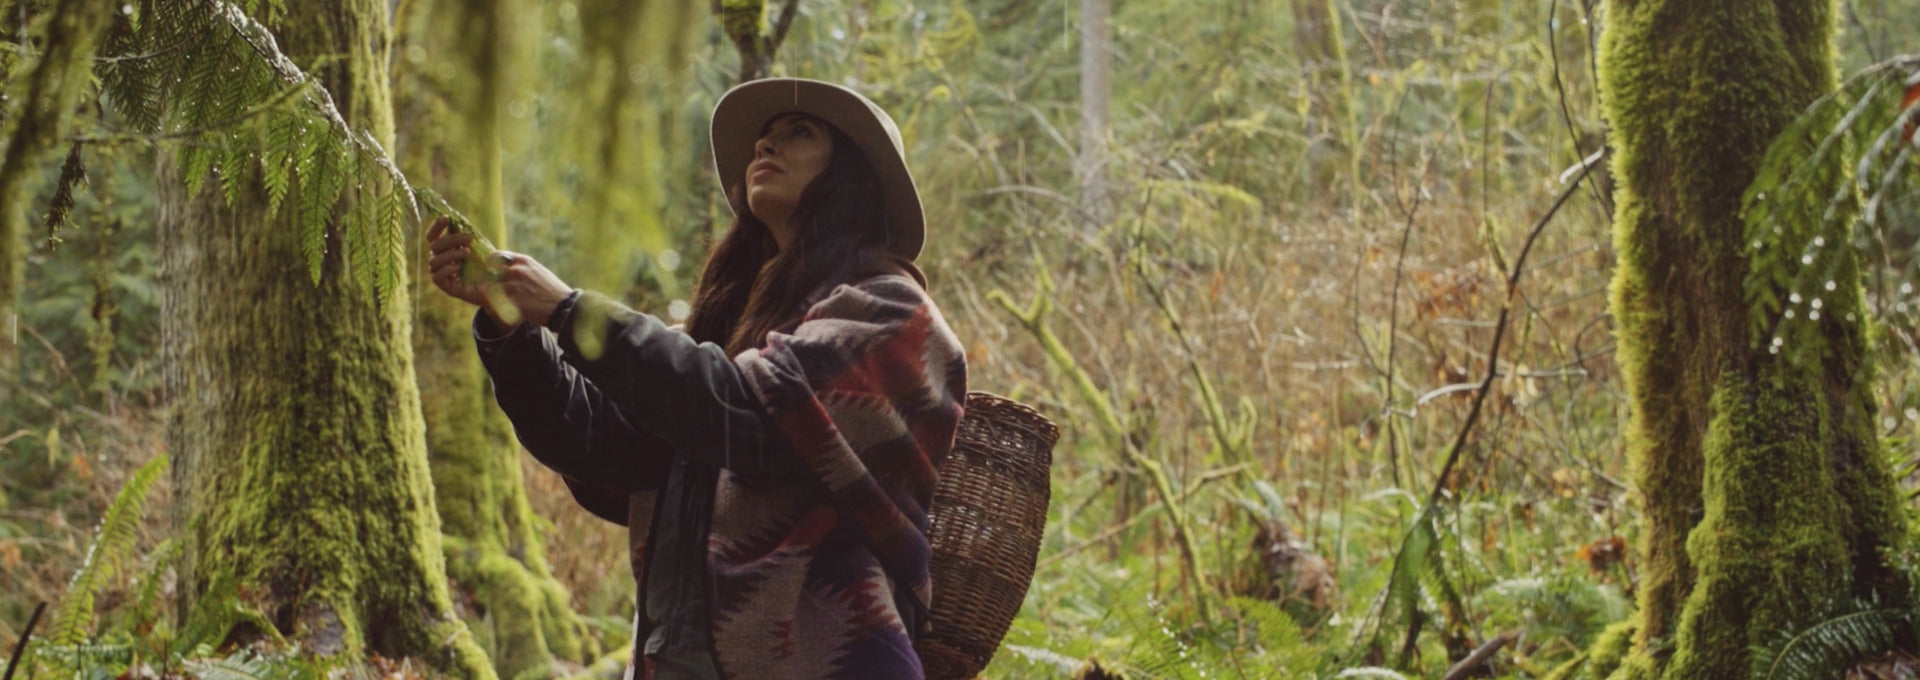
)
(741, 113)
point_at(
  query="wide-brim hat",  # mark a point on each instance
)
(744, 110)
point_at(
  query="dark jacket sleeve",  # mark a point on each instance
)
(690, 394)
(566, 422)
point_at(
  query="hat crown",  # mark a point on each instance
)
(741, 113)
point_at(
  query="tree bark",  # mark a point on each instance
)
(300, 460)
(1764, 489)
(745, 22)
(37, 121)
(634, 55)
(456, 64)
(1096, 92)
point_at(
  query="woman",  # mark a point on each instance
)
(772, 463)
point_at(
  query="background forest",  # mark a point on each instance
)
(1254, 257)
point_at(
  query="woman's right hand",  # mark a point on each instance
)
(447, 252)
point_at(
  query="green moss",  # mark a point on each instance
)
(1762, 481)
(40, 116)
(1772, 543)
(1608, 650)
(743, 18)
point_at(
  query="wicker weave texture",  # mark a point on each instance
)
(989, 511)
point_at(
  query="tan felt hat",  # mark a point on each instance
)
(744, 110)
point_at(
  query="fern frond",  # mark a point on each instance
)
(353, 225)
(238, 666)
(148, 596)
(127, 81)
(235, 169)
(1403, 584)
(1877, 179)
(393, 218)
(482, 248)
(1271, 626)
(322, 178)
(1825, 649)
(79, 657)
(112, 548)
(73, 173)
(1805, 206)
(236, 105)
(283, 150)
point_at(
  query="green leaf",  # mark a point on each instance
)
(393, 217)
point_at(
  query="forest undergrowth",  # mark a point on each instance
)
(1286, 322)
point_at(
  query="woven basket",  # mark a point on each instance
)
(989, 510)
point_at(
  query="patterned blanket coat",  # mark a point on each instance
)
(867, 390)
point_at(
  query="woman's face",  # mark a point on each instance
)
(792, 150)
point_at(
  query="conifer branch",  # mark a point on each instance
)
(269, 117)
(261, 40)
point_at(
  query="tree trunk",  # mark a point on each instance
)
(634, 56)
(300, 460)
(1322, 54)
(35, 122)
(745, 22)
(1764, 487)
(457, 58)
(1096, 91)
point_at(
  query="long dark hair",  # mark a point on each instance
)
(751, 287)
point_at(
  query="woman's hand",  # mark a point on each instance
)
(447, 253)
(519, 287)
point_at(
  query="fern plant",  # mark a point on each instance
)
(247, 665)
(1418, 579)
(110, 556)
(1835, 642)
(1823, 188)
(1252, 639)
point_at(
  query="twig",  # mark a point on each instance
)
(1034, 319)
(1866, 36)
(59, 360)
(1115, 530)
(263, 43)
(1518, 268)
(1479, 656)
(250, 113)
(1566, 112)
(1500, 331)
(20, 648)
(781, 25)
(141, 57)
(1233, 440)
(1393, 325)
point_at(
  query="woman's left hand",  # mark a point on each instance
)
(527, 286)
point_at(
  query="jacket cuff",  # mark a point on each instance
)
(587, 306)
(488, 338)
(562, 316)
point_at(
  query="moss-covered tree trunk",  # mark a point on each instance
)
(456, 63)
(745, 22)
(1764, 488)
(37, 117)
(295, 423)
